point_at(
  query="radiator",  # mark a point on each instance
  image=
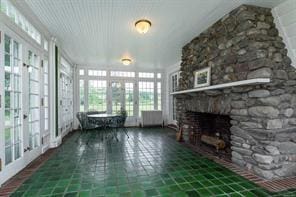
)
(151, 118)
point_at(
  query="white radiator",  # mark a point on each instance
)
(151, 118)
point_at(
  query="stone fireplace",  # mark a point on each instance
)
(244, 44)
(212, 125)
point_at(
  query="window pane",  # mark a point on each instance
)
(129, 98)
(99, 73)
(97, 95)
(17, 151)
(81, 93)
(159, 95)
(8, 9)
(81, 71)
(146, 75)
(146, 96)
(116, 97)
(7, 44)
(8, 137)
(122, 74)
(158, 75)
(8, 155)
(45, 45)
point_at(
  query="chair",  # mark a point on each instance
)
(85, 124)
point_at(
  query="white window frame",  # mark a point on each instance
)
(124, 79)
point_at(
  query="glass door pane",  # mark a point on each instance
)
(46, 94)
(81, 95)
(129, 98)
(12, 100)
(97, 95)
(34, 98)
(146, 96)
(116, 91)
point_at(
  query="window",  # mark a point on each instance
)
(81, 95)
(146, 96)
(116, 97)
(8, 9)
(45, 45)
(146, 75)
(97, 95)
(12, 100)
(174, 87)
(122, 74)
(46, 110)
(174, 82)
(158, 75)
(99, 73)
(159, 95)
(81, 72)
(129, 98)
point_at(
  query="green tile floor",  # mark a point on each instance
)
(147, 164)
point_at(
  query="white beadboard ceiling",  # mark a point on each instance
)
(101, 32)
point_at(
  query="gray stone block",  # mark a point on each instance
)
(259, 93)
(264, 111)
(260, 73)
(274, 124)
(268, 174)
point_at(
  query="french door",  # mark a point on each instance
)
(31, 98)
(122, 96)
(20, 106)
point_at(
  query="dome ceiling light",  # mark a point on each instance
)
(126, 61)
(143, 26)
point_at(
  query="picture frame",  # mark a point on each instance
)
(202, 77)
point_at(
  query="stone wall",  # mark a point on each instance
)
(242, 45)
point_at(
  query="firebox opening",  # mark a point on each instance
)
(210, 132)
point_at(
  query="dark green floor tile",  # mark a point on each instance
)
(186, 186)
(192, 193)
(138, 193)
(151, 192)
(125, 194)
(45, 191)
(110, 190)
(71, 194)
(58, 190)
(180, 194)
(136, 166)
(84, 194)
(216, 190)
(204, 192)
(123, 188)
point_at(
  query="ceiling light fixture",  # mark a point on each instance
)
(143, 26)
(126, 61)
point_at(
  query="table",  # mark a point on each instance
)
(103, 120)
(102, 115)
(113, 121)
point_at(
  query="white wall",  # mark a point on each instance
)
(285, 19)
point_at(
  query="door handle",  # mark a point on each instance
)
(25, 116)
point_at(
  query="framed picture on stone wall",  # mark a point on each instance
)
(202, 77)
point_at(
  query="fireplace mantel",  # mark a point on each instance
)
(255, 81)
